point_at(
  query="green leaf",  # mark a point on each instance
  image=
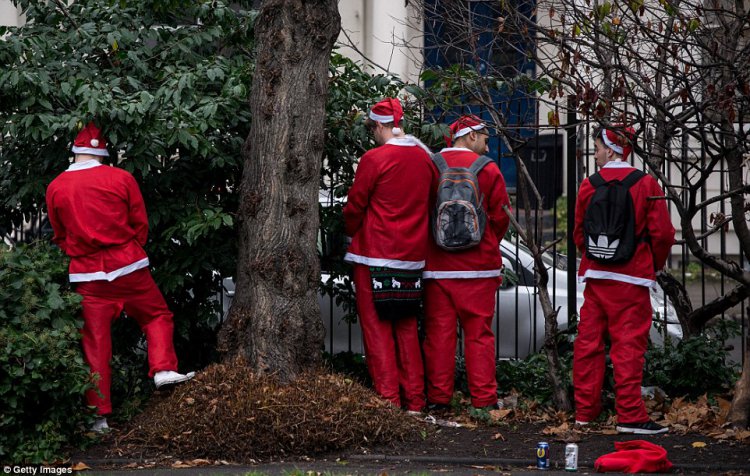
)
(55, 301)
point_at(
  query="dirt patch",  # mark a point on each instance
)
(513, 444)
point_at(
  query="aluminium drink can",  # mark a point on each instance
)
(571, 457)
(542, 455)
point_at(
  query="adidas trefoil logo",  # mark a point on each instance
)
(602, 248)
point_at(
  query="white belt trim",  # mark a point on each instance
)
(624, 278)
(111, 276)
(383, 262)
(489, 273)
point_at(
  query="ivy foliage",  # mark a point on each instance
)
(42, 373)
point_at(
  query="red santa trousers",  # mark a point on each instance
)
(623, 311)
(392, 352)
(472, 301)
(103, 301)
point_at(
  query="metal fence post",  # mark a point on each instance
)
(571, 127)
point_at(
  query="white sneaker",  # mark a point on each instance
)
(170, 377)
(100, 425)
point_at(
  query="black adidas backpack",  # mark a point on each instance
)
(458, 220)
(609, 221)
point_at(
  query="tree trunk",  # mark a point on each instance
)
(275, 317)
(680, 299)
(739, 412)
(554, 366)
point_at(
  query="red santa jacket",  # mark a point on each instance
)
(651, 220)
(99, 219)
(483, 260)
(386, 211)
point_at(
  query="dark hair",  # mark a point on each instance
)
(597, 133)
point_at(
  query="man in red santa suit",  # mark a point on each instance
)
(616, 298)
(461, 285)
(99, 220)
(386, 217)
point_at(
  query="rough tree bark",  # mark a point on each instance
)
(275, 319)
(739, 412)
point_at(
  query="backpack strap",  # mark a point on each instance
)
(596, 180)
(633, 178)
(440, 162)
(479, 164)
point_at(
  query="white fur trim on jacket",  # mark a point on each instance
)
(489, 273)
(111, 276)
(408, 141)
(623, 278)
(88, 164)
(383, 262)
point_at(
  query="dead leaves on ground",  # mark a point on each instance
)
(176, 463)
(682, 416)
(226, 412)
(703, 417)
(498, 436)
(501, 414)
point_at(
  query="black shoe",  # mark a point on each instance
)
(645, 428)
(432, 408)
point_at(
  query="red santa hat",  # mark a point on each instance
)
(619, 142)
(388, 110)
(90, 141)
(463, 125)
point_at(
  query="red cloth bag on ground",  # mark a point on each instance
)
(635, 456)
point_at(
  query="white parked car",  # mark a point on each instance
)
(519, 320)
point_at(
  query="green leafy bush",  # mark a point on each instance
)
(529, 376)
(42, 373)
(695, 365)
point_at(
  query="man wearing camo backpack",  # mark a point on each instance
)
(460, 283)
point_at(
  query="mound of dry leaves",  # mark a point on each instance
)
(225, 412)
